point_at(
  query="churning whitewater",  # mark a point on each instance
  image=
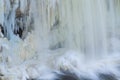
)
(59, 39)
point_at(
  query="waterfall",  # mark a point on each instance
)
(62, 35)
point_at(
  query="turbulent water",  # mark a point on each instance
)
(59, 39)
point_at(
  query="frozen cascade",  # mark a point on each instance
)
(66, 39)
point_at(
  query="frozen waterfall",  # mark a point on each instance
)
(67, 39)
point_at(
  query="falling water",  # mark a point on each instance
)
(53, 35)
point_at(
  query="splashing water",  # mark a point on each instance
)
(59, 39)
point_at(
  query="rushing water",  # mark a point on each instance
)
(41, 36)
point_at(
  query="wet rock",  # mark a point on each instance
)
(67, 76)
(103, 76)
(32, 79)
(84, 78)
(19, 14)
(1, 31)
(1, 74)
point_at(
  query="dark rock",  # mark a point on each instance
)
(84, 78)
(104, 76)
(66, 75)
(19, 14)
(19, 32)
(2, 29)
